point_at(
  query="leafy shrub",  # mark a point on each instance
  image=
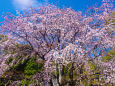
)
(32, 67)
(109, 56)
(112, 53)
(24, 83)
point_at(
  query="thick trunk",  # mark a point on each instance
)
(71, 75)
(60, 75)
(55, 82)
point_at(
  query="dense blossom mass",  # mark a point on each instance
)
(50, 46)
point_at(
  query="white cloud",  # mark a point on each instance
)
(24, 4)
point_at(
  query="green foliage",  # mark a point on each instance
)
(57, 71)
(112, 53)
(92, 65)
(19, 64)
(24, 83)
(32, 67)
(110, 19)
(10, 59)
(113, 15)
(107, 58)
(23, 70)
(1, 83)
(9, 76)
(113, 21)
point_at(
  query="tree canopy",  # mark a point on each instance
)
(59, 44)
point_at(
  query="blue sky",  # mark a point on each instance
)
(13, 5)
